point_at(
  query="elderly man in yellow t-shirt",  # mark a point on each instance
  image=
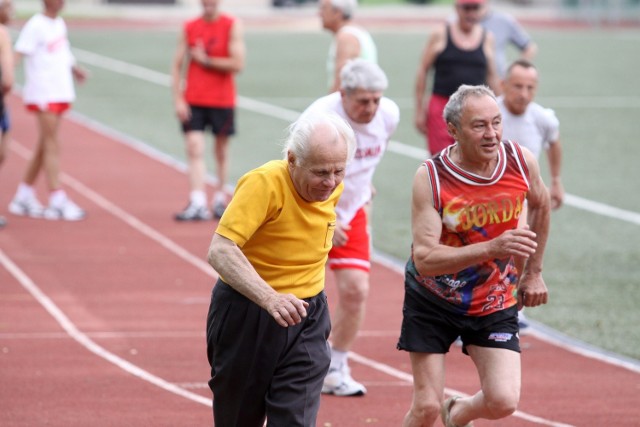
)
(268, 321)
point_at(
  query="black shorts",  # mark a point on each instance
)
(260, 369)
(220, 121)
(429, 328)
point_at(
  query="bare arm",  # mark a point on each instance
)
(532, 291)
(493, 80)
(530, 51)
(182, 109)
(435, 45)
(6, 60)
(347, 47)
(233, 63)
(554, 155)
(229, 261)
(432, 258)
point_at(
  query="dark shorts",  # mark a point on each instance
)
(5, 122)
(429, 328)
(260, 369)
(220, 121)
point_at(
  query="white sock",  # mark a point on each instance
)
(198, 198)
(338, 359)
(24, 191)
(57, 197)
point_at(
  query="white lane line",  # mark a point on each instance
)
(396, 147)
(71, 329)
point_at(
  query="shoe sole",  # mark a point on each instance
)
(21, 212)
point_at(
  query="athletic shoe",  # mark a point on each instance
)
(66, 211)
(218, 210)
(445, 412)
(28, 206)
(193, 213)
(339, 383)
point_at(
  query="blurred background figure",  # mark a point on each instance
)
(459, 52)
(50, 69)
(349, 41)
(213, 50)
(506, 31)
(6, 79)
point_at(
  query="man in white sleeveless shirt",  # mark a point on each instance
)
(349, 42)
(373, 118)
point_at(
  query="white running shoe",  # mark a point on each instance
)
(28, 206)
(339, 383)
(193, 212)
(67, 211)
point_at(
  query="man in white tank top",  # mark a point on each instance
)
(349, 42)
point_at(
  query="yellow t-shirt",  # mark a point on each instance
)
(285, 238)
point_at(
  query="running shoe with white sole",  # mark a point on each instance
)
(66, 211)
(218, 210)
(339, 383)
(28, 206)
(193, 213)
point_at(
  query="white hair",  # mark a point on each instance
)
(347, 7)
(362, 74)
(300, 133)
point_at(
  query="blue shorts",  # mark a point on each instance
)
(221, 121)
(5, 122)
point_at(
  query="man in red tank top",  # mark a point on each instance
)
(462, 278)
(212, 46)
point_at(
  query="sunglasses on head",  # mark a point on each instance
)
(469, 7)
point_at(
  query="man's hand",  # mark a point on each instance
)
(286, 309)
(532, 291)
(340, 237)
(519, 242)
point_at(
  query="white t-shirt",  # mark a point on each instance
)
(535, 129)
(372, 138)
(48, 61)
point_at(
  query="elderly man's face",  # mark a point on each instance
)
(480, 129)
(318, 174)
(361, 105)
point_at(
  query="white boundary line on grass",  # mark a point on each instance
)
(270, 110)
(148, 231)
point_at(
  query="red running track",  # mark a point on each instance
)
(102, 321)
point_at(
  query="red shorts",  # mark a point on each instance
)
(51, 107)
(357, 252)
(438, 137)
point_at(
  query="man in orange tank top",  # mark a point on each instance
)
(461, 279)
(212, 47)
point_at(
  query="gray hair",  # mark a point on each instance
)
(453, 110)
(362, 74)
(347, 7)
(301, 130)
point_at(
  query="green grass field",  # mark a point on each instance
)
(588, 77)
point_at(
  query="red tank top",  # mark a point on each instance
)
(476, 209)
(206, 87)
